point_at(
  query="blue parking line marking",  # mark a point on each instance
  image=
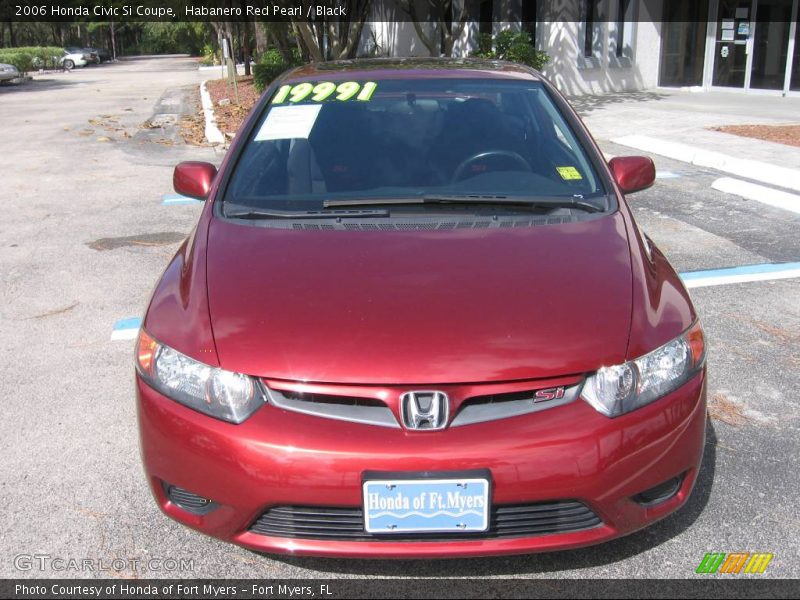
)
(126, 329)
(743, 274)
(171, 199)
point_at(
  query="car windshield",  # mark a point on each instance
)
(327, 141)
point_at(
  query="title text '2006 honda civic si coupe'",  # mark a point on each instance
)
(417, 319)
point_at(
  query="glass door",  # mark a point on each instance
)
(771, 44)
(731, 46)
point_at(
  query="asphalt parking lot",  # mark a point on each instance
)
(88, 225)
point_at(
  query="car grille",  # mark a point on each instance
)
(477, 409)
(335, 523)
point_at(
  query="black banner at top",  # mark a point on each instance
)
(371, 10)
(179, 10)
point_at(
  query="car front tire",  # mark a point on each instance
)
(69, 65)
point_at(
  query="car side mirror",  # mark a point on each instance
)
(633, 173)
(194, 179)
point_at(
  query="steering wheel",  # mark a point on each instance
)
(467, 162)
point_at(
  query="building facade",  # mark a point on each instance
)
(605, 46)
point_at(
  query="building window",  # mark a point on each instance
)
(529, 19)
(623, 7)
(623, 34)
(590, 19)
(486, 16)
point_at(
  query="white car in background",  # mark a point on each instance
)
(74, 58)
(8, 72)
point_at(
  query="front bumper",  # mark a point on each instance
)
(279, 458)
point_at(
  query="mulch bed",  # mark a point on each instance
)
(782, 134)
(228, 112)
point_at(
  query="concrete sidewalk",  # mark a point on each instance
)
(683, 118)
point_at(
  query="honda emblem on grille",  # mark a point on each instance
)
(424, 410)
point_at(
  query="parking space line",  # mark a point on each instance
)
(177, 199)
(126, 329)
(666, 175)
(762, 194)
(765, 272)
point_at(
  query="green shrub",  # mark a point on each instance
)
(485, 46)
(22, 60)
(209, 56)
(515, 46)
(32, 57)
(271, 65)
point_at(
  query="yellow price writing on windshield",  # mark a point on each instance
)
(324, 90)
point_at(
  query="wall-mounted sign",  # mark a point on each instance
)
(741, 13)
(727, 24)
(724, 52)
(744, 28)
(727, 35)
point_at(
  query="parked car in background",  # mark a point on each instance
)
(74, 57)
(100, 55)
(89, 55)
(8, 72)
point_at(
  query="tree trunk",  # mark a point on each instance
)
(112, 35)
(246, 48)
(451, 32)
(428, 41)
(308, 37)
(261, 39)
(343, 37)
(445, 31)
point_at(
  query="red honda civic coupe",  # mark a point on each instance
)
(416, 318)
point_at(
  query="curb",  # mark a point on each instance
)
(742, 167)
(213, 134)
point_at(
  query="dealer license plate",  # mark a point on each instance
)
(394, 506)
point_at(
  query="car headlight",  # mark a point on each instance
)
(216, 392)
(619, 389)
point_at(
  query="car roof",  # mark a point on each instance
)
(412, 68)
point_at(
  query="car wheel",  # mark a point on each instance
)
(69, 64)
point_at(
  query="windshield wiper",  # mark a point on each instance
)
(238, 211)
(536, 202)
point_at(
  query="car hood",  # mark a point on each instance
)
(422, 307)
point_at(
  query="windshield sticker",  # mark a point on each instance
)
(569, 173)
(324, 90)
(288, 123)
